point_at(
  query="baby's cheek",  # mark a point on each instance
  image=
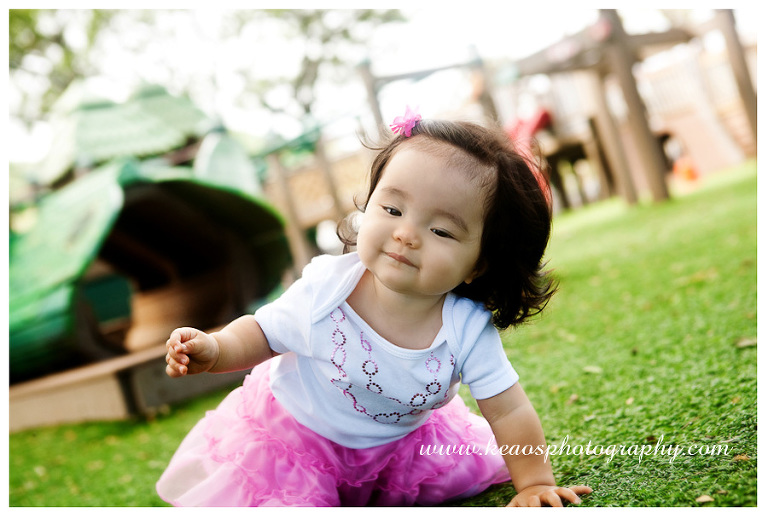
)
(364, 248)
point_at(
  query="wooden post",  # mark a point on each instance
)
(325, 166)
(557, 180)
(596, 156)
(484, 96)
(614, 149)
(727, 25)
(297, 239)
(373, 95)
(622, 58)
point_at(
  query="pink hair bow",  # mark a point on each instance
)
(405, 124)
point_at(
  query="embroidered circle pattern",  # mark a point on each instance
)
(339, 339)
(369, 368)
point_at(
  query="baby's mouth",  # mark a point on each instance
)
(401, 259)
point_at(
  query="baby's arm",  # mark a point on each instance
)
(515, 424)
(240, 345)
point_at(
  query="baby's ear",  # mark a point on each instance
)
(479, 270)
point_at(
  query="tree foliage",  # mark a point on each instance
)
(58, 46)
(49, 44)
(327, 33)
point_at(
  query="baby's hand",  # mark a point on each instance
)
(538, 496)
(190, 352)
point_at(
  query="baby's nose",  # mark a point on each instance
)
(407, 234)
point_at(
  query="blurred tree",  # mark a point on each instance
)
(49, 48)
(330, 40)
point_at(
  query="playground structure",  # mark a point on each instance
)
(106, 266)
(630, 123)
(703, 103)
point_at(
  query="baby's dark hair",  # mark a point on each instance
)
(513, 284)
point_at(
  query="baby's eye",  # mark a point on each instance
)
(392, 211)
(441, 233)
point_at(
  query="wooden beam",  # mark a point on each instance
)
(373, 84)
(87, 373)
(421, 74)
(538, 64)
(668, 38)
(111, 389)
(586, 49)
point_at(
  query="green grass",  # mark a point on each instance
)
(641, 344)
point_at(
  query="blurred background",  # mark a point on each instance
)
(139, 136)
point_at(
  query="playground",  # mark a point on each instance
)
(643, 368)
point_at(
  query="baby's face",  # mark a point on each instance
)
(421, 232)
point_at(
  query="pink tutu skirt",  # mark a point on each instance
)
(251, 452)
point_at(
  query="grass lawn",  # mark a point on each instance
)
(651, 341)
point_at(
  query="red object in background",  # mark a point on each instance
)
(521, 133)
(524, 130)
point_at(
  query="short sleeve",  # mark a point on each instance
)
(325, 282)
(482, 363)
(286, 321)
(487, 370)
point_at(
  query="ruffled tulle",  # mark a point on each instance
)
(251, 452)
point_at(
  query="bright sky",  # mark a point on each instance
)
(435, 35)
